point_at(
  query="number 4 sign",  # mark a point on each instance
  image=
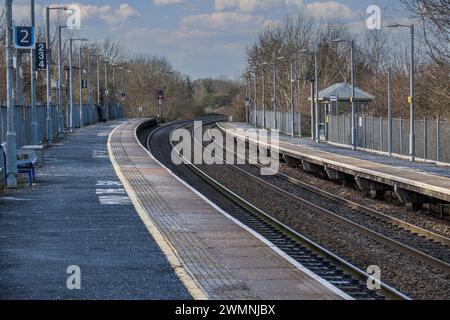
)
(24, 38)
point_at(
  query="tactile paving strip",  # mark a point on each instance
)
(203, 264)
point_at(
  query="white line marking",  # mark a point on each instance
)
(295, 263)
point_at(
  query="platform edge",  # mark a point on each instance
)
(169, 251)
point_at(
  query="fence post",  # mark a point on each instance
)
(401, 136)
(373, 133)
(365, 132)
(381, 134)
(438, 142)
(425, 138)
(389, 125)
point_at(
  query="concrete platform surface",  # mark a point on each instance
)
(423, 178)
(215, 257)
(78, 214)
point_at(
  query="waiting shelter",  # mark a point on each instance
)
(336, 100)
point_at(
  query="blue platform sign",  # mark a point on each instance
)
(24, 38)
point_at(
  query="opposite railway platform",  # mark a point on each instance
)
(413, 182)
(102, 203)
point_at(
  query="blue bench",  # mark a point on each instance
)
(26, 163)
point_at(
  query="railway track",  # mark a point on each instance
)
(311, 255)
(419, 243)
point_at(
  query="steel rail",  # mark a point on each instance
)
(386, 290)
(337, 218)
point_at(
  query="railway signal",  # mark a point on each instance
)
(160, 98)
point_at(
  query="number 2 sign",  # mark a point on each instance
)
(41, 56)
(24, 38)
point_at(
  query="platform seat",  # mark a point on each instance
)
(26, 163)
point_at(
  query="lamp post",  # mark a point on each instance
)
(263, 97)
(105, 100)
(71, 40)
(411, 98)
(315, 134)
(49, 56)
(34, 124)
(11, 175)
(253, 76)
(274, 93)
(352, 98)
(98, 80)
(60, 70)
(247, 99)
(113, 93)
(292, 99)
(89, 84)
(389, 112)
(81, 88)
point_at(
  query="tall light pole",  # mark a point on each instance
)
(105, 100)
(60, 70)
(263, 97)
(34, 124)
(98, 80)
(114, 100)
(49, 57)
(411, 98)
(352, 98)
(253, 76)
(315, 134)
(81, 87)
(89, 83)
(71, 40)
(292, 99)
(11, 175)
(247, 99)
(389, 112)
(274, 93)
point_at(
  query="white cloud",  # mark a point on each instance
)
(316, 9)
(167, 2)
(225, 21)
(247, 5)
(120, 15)
(330, 9)
(86, 10)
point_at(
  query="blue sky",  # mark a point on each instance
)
(201, 37)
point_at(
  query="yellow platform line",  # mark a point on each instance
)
(169, 251)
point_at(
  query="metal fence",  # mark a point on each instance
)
(432, 136)
(22, 119)
(284, 121)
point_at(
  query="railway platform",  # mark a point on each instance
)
(77, 223)
(414, 183)
(214, 255)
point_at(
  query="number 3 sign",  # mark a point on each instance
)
(24, 38)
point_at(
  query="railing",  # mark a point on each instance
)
(22, 119)
(432, 136)
(284, 122)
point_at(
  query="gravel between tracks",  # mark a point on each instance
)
(420, 218)
(402, 272)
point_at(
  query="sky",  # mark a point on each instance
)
(201, 38)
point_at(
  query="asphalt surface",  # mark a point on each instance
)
(77, 214)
